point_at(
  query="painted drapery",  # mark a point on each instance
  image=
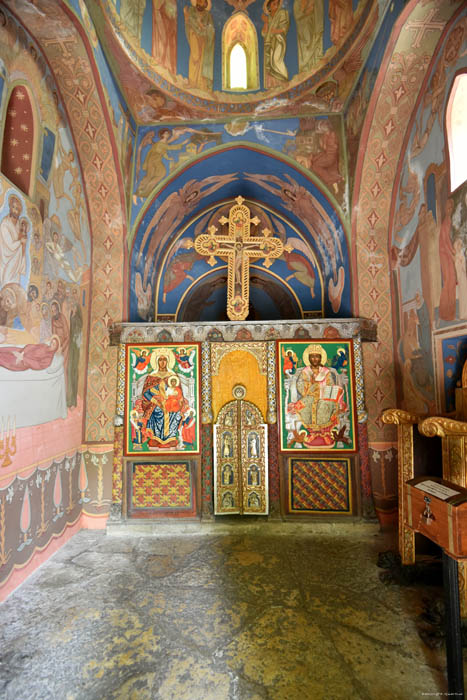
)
(162, 399)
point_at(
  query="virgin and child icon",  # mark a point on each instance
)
(163, 411)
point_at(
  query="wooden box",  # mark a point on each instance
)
(438, 509)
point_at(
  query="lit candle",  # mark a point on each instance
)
(7, 432)
(1, 431)
(14, 426)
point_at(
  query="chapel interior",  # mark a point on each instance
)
(233, 326)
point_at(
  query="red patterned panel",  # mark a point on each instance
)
(319, 485)
(18, 139)
(161, 487)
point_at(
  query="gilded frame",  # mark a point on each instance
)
(317, 410)
(449, 352)
(162, 402)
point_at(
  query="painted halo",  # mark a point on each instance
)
(314, 349)
(159, 352)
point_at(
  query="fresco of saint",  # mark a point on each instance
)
(309, 18)
(153, 162)
(341, 18)
(164, 33)
(199, 28)
(131, 15)
(276, 25)
(13, 241)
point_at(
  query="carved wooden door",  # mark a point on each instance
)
(240, 459)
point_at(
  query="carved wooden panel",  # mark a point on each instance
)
(240, 460)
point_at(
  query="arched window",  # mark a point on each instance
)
(18, 139)
(240, 69)
(456, 129)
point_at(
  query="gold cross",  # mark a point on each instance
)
(239, 247)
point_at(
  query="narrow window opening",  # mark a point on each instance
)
(456, 127)
(238, 68)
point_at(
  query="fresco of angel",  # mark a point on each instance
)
(57, 246)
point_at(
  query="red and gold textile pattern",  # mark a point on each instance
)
(161, 486)
(18, 139)
(319, 485)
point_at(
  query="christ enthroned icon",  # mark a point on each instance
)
(239, 247)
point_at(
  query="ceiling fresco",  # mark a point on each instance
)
(315, 143)
(171, 57)
(163, 265)
(189, 288)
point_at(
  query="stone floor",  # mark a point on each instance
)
(214, 617)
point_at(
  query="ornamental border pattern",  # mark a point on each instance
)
(389, 114)
(255, 348)
(271, 377)
(206, 386)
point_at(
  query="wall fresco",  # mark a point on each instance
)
(306, 52)
(187, 285)
(77, 79)
(122, 122)
(429, 239)
(315, 143)
(95, 483)
(391, 118)
(450, 354)
(357, 104)
(42, 507)
(35, 509)
(44, 258)
(299, 210)
(44, 309)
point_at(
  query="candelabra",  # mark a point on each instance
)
(7, 441)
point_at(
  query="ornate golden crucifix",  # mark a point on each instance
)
(239, 247)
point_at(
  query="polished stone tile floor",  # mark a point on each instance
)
(213, 617)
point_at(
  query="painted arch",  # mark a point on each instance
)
(295, 204)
